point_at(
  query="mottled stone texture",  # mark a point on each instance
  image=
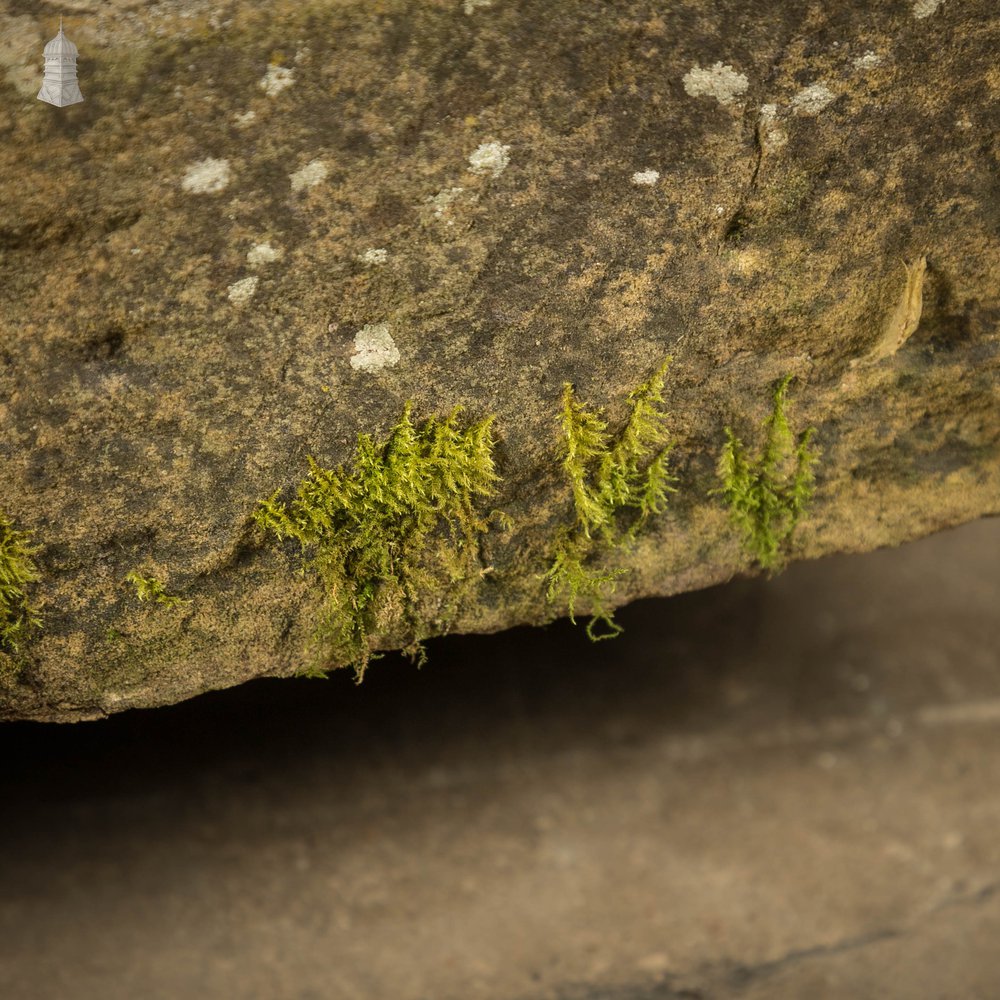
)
(145, 405)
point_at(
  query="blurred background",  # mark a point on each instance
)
(785, 787)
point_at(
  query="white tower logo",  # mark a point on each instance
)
(59, 86)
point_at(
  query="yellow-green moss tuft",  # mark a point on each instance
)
(617, 484)
(768, 495)
(18, 617)
(400, 521)
(148, 588)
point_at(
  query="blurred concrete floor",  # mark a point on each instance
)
(785, 788)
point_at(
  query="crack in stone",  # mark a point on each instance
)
(743, 975)
(731, 979)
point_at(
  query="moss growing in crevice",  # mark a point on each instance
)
(617, 482)
(768, 495)
(148, 588)
(401, 521)
(18, 616)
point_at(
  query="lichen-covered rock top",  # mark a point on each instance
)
(264, 231)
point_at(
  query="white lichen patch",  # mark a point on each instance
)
(245, 119)
(720, 81)
(645, 178)
(374, 349)
(489, 158)
(772, 136)
(868, 61)
(924, 8)
(471, 6)
(242, 291)
(276, 79)
(263, 253)
(207, 176)
(376, 256)
(310, 175)
(443, 200)
(813, 99)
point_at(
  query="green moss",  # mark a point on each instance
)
(768, 495)
(403, 520)
(18, 617)
(617, 483)
(148, 588)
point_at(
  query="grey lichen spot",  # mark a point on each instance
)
(813, 99)
(376, 256)
(442, 202)
(374, 349)
(242, 291)
(924, 8)
(310, 175)
(276, 79)
(207, 176)
(771, 135)
(645, 178)
(720, 81)
(868, 61)
(489, 158)
(471, 6)
(263, 253)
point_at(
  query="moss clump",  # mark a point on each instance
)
(768, 495)
(148, 588)
(618, 483)
(397, 523)
(18, 617)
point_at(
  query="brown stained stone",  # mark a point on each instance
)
(143, 412)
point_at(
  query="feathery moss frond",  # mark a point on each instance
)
(148, 588)
(609, 478)
(366, 530)
(768, 496)
(586, 442)
(18, 617)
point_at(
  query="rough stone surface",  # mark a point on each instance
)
(144, 409)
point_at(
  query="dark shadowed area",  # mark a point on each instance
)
(774, 788)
